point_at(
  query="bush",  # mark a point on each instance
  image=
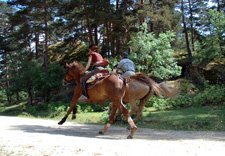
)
(87, 107)
(104, 118)
(206, 95)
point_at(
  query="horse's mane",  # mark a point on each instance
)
(78, 66)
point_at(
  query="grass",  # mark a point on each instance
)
(195, 118)
(203, 118)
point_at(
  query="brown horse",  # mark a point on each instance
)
(110, 88)
(142, 87)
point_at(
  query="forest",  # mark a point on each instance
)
(169, 39)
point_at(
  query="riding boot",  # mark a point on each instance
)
(84, 87)
(84, 92)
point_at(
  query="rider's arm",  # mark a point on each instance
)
(88, 63)
(119, 66)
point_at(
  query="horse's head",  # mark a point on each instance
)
(73, 71)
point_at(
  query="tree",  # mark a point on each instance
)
(6, 47)
(154, 54)
(185, 31)
(213, 45)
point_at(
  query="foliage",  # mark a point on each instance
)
(154, 54)
(28, 76)
(49, 82)
(87, 107)
(3, 97)
(67, 51)
(214, 43)
(204, 95)
(104, 117)
(22, 75)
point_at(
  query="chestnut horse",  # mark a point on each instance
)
(110, 88)
(142, 87)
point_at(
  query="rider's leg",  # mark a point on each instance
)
(84, 85)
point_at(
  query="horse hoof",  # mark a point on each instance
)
(73, 117)
(129, 137)
(128, 128)
(60, 123)
(100, 132)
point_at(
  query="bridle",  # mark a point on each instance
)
(65, 82)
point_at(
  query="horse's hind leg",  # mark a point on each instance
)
(111, 119)
(141, 105)
(139, 114)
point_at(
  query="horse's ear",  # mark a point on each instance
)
(67, 66)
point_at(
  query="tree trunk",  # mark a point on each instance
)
(18, 96)
(118, 38)
(88, 25)
(113, 48)
(107, 38)
(218, 5)
(117, 4)
(37, 44)
(96, 35)
(151, 24)
(46, 38)
(7, 82)
(142, 7)
(185, 31)
(192, 31)
(30, 96)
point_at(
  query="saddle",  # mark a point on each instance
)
(92, 81)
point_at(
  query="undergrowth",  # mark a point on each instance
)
(200, 96)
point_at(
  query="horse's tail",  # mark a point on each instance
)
(163, 89)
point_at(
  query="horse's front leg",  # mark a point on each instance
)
(129, 119)
(112, 117)
(72, 106)
(133, 110)
(74, 113)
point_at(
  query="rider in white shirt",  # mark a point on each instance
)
(126, 65)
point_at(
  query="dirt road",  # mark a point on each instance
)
(26, 137)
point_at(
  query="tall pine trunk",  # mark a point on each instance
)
(88, 25)
(185, 31)
(96, 35)
(151, 24)
(118, 37)
(46, 37)
(142, 7)
(192, 30)
(9, 97)
(37, 44)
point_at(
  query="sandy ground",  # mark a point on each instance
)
(36, 137)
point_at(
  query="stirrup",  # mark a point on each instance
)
(82, 97)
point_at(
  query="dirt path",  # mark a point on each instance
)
(21, 137)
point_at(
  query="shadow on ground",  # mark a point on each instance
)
(114, 132)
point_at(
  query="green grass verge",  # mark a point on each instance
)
(195, 118)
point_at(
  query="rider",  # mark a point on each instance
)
(95, 58)
(126, 65)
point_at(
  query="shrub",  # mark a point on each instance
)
(206, 95)
(104, 118)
